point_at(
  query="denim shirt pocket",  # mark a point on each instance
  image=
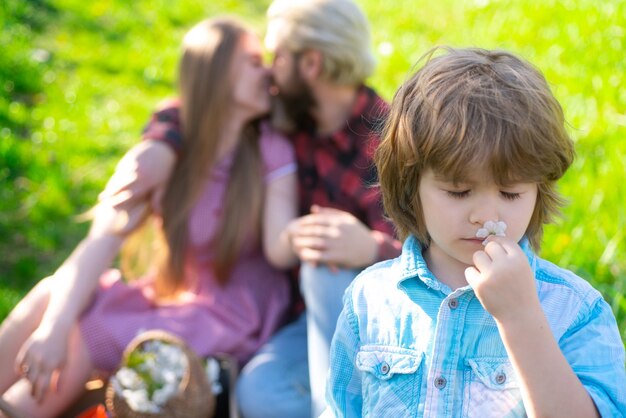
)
(391, 380)
(491, 389)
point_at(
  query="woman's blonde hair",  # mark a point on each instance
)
(205, 87)
(336, 28)
(472, 108)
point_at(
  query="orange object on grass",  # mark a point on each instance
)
(97, 411)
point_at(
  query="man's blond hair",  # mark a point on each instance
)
(336, 28)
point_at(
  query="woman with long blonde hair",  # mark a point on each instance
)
(220, 217)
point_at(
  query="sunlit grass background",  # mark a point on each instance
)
(78, 80)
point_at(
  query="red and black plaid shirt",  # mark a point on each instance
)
(333, 171)
(337, 170)
(165, 125)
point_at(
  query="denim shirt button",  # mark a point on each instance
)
(440, 382)
(453, 303)
(384, 368)
(501, 378)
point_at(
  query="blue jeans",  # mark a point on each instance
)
(281, 380)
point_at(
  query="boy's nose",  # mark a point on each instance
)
(487, 211)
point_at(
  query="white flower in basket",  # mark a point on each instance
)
(160, 377)
(152, 375)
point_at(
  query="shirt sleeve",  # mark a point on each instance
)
(164, 125)
(277, 152)
(595, 351)
(343, 387)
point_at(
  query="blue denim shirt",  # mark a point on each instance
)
(406, 345)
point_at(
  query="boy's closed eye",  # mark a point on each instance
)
(459, 194)
(510, 195)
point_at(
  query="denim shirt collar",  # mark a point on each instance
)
(413, 265)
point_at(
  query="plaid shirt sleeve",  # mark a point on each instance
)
(382, 228)
(164, 125)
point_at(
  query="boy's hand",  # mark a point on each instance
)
(503, 279)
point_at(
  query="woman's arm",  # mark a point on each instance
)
(280, 208)
(44, 353)
(76, 279)
(128, 197)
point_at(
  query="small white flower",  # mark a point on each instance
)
(150, 364)
(151, 346)
(168, 376)
(129, 379)
(162, 395)
(138, 401)
(213, 375)
(492, 228)
(161, 364)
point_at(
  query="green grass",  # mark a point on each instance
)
(78, 81)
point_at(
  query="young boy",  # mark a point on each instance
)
(468, 321)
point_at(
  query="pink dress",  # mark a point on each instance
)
(236, 318)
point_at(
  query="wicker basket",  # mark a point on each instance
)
(194, 398)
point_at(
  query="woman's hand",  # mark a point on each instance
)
(503, 280)
(41, 360)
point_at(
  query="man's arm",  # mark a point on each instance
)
(152, 160)
(141, 176)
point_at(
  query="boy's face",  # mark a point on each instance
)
(453, 213)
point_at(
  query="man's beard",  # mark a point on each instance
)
(292, 106)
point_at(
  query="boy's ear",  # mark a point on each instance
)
(310, 64)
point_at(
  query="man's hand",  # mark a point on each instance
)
(144, 169)
(332, 237)
(503, 279)
(138, 183)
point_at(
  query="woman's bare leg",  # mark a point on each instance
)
(18, 326)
